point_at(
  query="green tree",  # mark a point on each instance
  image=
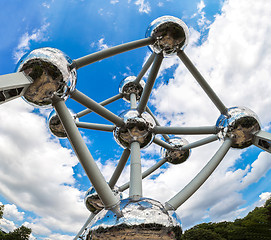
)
(256, 225)
(21, 233)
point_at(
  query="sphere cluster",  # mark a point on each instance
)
(176, 155)
(170, 34)
(49, 68)
(145, 219)
(239, 124)
(137, 127)
(128, 86)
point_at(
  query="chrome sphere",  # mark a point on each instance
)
(239, 124)
(55, 125)
(170, 34)
(176, 155)
(128, 86)
(51, 75)
(137, 128)
(142, 219)
(92, 201)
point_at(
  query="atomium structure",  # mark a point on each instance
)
(46, 77)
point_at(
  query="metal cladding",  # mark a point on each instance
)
(176, 155)
(239, 124)
(142, 219)
(171, 35)
(51, 75)
(137, 127)
(93, 202)
(128, 86)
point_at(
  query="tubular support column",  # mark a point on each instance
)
(91, 216)
(122, 162)
(201, 177)
(202, 82)
(185, 130)
(145, 68)
(162, 143)
(135, 172)
(96, 107)
(200, 142)
(133, 101)
(95, 126)
(94, 57)
(166, 137)
(145, 174)
(93, 172)
(149, 84)
(103, 103)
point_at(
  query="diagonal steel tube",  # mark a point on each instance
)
(162, 143)
(103, 103)
(185, 130)
(95, 126)
(145, 68)
(94, 57)
(96, 107)
(166, 137)
(135, 172)
(91, 216)
(201, 177)
(84, 156)
(200, 142)
(133, 101)
(121, 164)
(145, 173)
(149, 84)
(202, 82)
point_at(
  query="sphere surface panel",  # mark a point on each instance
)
(137, 127)
(240, 124)
(176, 155)
(128, 86)
(142, 219)
(50, 72)
(170, 34)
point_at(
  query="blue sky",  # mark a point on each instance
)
(41, 182)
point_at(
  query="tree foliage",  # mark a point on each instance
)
(21, 233)
(256, 225)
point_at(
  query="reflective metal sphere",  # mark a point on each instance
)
(142, 219)
(137, 127)
(55, 125)
(239, 124)
(171, 35)
(94, 203)
(176, 155)
(50, 72)
(128, 86)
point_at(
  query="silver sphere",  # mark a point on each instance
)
(128, 86)
(170, 34)
(137, 128)
(176, 155)
(238, 124)
(142, 219)
(55, 125)
(51, 75)
(92, 201)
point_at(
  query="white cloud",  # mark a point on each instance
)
(144, 7)
(36, 172)
(102, 45)
(37, 35)
(235, 60)
(11, 212)
(114, 1)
